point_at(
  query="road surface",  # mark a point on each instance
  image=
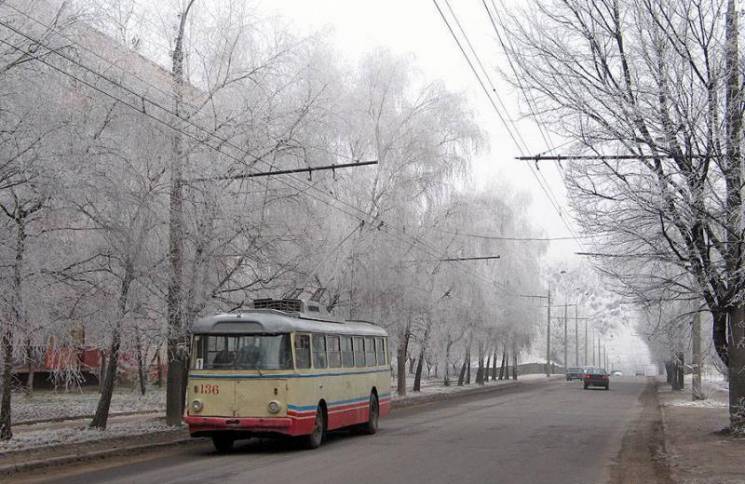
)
(551, 432)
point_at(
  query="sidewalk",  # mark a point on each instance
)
(697, 451)
(65, 441)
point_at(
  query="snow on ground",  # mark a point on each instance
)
(696, 403)
(436, 386)
(52, 405)
(56, 436)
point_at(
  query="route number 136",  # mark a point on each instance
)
(207, 388)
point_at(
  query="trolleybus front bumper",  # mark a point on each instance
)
(203, 425)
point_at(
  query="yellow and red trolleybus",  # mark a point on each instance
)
(285, 372)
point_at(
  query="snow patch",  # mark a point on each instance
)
(697, 403)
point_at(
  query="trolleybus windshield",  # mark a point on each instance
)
(242, 352)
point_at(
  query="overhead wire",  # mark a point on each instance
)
(410, 240)
(530, 100)
(523, 149)
(540, 178)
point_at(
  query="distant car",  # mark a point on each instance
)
(574, 373)
(639, 373)
(617, 373)
(596, 377)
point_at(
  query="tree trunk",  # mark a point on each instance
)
(102, 372)
(18, 318)
(480, 370)
(30, 360)
(6, 432)
(446, 380)
(669, 372)
(736, 372)
(104, 402)
(159, 369)
(141, 372)
(462, 376)
(403, 349)
(418, 373)
(681, 371)
(506, 363)
(101, 416)
(514, 363)
(487, 367)
(468, 366)
(697, 392)
(494, 364)
(501, 367)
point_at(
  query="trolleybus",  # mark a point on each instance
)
(282, 370)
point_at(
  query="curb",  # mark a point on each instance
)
(90, 456)
(63, 460)
(665, 441)
(414, 400)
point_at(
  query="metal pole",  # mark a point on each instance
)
(548, 335)
(566, 336)
(576, 336)
(585, 360)
(593, 346)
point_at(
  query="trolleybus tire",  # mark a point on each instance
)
(315, 439)
(373, 416)
(223, 443)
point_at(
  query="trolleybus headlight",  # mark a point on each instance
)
(197, 406)
(274, 406)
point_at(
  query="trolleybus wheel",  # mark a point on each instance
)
(315, 439)
(374, 414)
(223, 443)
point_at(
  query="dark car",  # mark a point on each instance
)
(595, 377)
(574, 373)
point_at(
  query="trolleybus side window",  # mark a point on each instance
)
(359, 351)
(302, 351)
(334, 351)
(369, 352)
(319, 351)
(380, 351)
(347, 356)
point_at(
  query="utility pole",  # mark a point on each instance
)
(566, 337)
(548, 335)
(548, 327)
(593, 346)
(585, 361)
(576, 336)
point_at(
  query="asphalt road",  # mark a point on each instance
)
(552, 432)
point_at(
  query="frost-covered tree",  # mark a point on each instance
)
(658, 83)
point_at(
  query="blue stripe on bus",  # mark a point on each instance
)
(287, 375)
(337, 403)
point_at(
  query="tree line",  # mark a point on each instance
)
(127, 212)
